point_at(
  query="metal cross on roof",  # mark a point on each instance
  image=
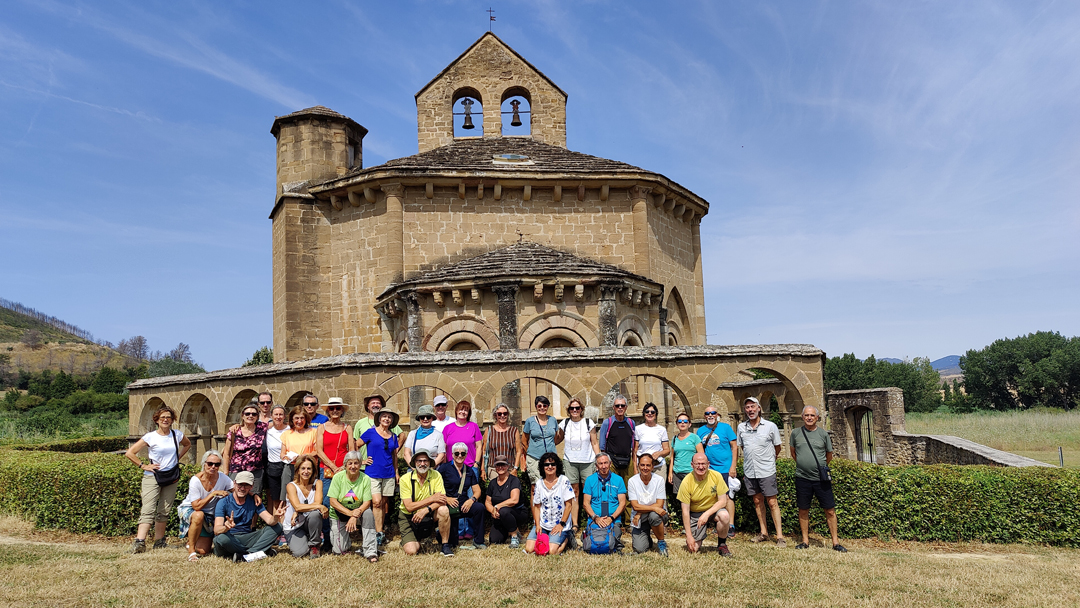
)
(491, 17)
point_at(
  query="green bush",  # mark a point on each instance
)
(79, 446)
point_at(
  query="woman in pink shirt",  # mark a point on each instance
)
(465, 431)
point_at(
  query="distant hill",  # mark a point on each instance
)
(948, 366)
(15, 319)
(63, 345)
(891, 360)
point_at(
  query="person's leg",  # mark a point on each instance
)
(698, 529)
(164, 505)
(657, 524)
(639, 538)
(730, 508)
(150, 491)
(225, 545)
(530, 543)
(759, 507)
(774, 507)
(204, 545)
(324, 526)
(379, 514)
(532, 467)
(476, 519)
(409, 542)
(339, 536)
(804, 525)
(297, 540)
(262, 539)
(442, 516)
(499, 533)
(804, 491)
(830, 518)
(369, 539)
(313, 523)
(195, 526)
(455, 529)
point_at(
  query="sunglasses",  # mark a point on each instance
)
(573, 409)
(710, 413)
(265, 402)
(549, 464)
(423, 418)
(213, 464)
(311, 405)
(619, 405)
(251, 413)
(650, 413)
(335, 408)
(461, 453)
(502, 413)
(682, 422)
(541, 405)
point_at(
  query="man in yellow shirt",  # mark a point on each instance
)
(704, 501)
(423, 506)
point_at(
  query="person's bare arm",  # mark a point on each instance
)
(185, 446)
(691, 544)
(133, 455)
(828, 457)
(734, 457)
(226, 454)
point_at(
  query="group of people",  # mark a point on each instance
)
(314, 480)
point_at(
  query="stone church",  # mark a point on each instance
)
(492, 266)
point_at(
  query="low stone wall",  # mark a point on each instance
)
(907, 448)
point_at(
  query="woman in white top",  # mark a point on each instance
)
(425, 437)
(552, 498)
(166, 447)
(275, 466)
(197, 511)
(579, 450)
(305, 512)
(652, 438)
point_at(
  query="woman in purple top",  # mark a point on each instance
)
(465, 431)
(244, 447)
(382, 447)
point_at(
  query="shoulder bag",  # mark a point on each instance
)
(823, 471)
(168, 477)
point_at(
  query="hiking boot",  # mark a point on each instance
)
(447, 551)
(780, 542)
(802, 546)
(839, 548)
(313, 553)
(238, 558)
(479, 546)
(515, 542)
(760, 538)
(161, 543)
(661, 546)
(138, 547)
(724, 551)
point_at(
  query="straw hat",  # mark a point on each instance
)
(337, 401)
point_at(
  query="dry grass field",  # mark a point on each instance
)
(57, 569)
(1034, 433)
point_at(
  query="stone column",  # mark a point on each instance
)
(640, 205)
(609, 321)
(699, 287)
(395, 234)
(508, 340)
(414, 336)
(663, 341)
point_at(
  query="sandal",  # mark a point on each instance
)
(760, 538)
(194, 557)
(373, 559)
(802, 546)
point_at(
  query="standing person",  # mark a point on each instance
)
(458, 479)
(704, 500)
(684, 446)
(505, 505)
(464, 430)
(266, 404)
(305, 512)
(722, 448)
(616, 439)
(243, 449)
(648, 497)
(165, 446)
(298, 439)
(652, 438)
(311, 406)
(381, 467)
(579, 452)
(538, 436)
(350, 508)
(423, 506)
(500, 441)
(333, 439)
(373, 404)
(760, 442)
(552, 497)
(275, 466)
(604, 500)
(196, 512)
(441, 419)
(425, 437)
(234, 520)
(810, 446)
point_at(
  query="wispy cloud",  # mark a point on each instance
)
(48, 94)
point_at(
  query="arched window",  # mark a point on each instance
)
(516, 112)
(468, 110)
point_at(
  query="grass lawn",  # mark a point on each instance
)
(1033, 433)
(40, 568)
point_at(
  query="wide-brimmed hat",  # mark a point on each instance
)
(336, 401)
(393, 421)
(368, 399)
(501, 459)
(425, 410)
(417, 453)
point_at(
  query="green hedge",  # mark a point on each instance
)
(79, 446)
(99, 493)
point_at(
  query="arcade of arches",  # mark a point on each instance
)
(676, 378)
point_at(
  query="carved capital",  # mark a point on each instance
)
(639, 192)
(395, 190)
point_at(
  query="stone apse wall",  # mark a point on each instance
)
(208, 403)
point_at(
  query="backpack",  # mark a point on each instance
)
(596, 540)
(619, 461)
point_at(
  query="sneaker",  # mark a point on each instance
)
(515, 542)
(780, 542)
(256, 556)
(138, 547)
(802, 546)
(661, 546)
(760, 538)
(468, 547)
(724, 551)
(839, 548)
(161, 543)
(313, 553)
(447, 551)
(238, 558)
(271, 552)
(380, 539)
(731, 532)
(479, 546)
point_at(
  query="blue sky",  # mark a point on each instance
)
(892, 178)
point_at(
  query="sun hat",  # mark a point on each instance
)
(734, 485)
(543, 544)
(394, 417)
(417, 454)
(367, 400)
(245, 477)
(425, 410)
(337, 401)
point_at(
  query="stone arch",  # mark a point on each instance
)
(146, 416)
(445, 333)
(798, 390)
(232, 415)
(558, 337)
(477, 113)
(389, 386)
(577, 325)
(678, 321)
(490, 391)
(398, 402)
(198, 420)
(635, 325)
(505, 109)
(296, 399)
(682, 386)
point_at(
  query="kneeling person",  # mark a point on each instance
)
(423, 506)
(458, 479)
(604, 500)
(350, 507)
(648, 497)
(234, 517)
(704, 499)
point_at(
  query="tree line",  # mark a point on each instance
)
(917, 377)
(47, 319)
(1041, 369)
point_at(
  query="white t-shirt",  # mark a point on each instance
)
(273, 443)
(434, 443)
(650, 439)
(442, 424)
(196, 491)
(162, 450)
(577, 446)
(645, 494)
(290, 511)
(552, 502)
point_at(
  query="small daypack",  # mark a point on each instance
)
(596, 540)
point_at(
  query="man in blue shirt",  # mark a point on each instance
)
(234, 517)
(721, 447)
(311, 406)
(604, 497)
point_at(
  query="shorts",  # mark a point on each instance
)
(578, 472)
(185, 512)
(806, 489)
(698, 528)
(274, 471)
(761, 485)
(383, 487)
(415, 532)
(553, 539)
